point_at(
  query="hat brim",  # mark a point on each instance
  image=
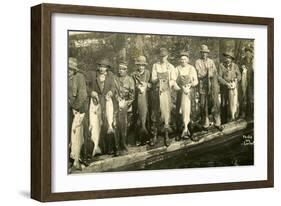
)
(140, 63)
(250, 50)
(163, 54)
(106, 65)
(227, 55)
(184, 55)
(205, 51)
(73, 68)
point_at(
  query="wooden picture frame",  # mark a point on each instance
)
(41, 95)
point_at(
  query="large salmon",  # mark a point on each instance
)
(165, 101)
(109, 114)
(95, 124)
(142, 106)
(77, 135)
(185, 108)
(244, 81)
(233, 99)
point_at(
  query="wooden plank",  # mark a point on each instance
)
(36, 138)
(142, 154)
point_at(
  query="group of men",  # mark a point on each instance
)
(147, 98)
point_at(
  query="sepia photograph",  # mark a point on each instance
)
(151, 101)
(131, 102)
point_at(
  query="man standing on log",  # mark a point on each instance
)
(77, 99)
(187, 80)
(103, 89)
(208, 89)
(125, 91)
(161, 78)
(247, 84)
(229, 76)
(142, 83)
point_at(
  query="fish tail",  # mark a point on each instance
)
(98, 150)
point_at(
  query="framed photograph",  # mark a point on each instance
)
(130, 102)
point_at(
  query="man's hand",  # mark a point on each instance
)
(229, 86)
(75, 112)
(186, 88)
(109, 95)
(176, 87)
(122, 104)
(94, 94)
(142, 87)
(244, 68)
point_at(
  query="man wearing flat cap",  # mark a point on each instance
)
(247, 84)
(229, 77)
(141, 77)
(77, 100)
(125, 94)
(186, 80)
(208, 88)
(102, 88)
(162, 80)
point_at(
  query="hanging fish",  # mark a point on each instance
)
(142, 106)
(109, 114)
(185, 109)
(95, 124)
(233, 99)
(164, 98)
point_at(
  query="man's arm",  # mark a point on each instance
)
(198, 68)
(81, 97)
(131, 92)
(154, 78)
(194, 77)
(238, 73)
(220, 74)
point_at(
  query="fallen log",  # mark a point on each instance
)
(138, 157)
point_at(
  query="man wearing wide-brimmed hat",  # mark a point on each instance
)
(77, 99)
(125, 93)
(102, 87)
(229, 77)
(208, 88)
(161, 77)
(141, 77)
(247, 84)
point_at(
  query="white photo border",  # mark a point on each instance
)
(62, 182)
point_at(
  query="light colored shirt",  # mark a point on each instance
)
(187, 70)
(162, 68)
(204, 66)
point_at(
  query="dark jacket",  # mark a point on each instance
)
(208, 82)
(96, 85)
(227, 74)
(250, 79)
(102, 89)
(77, 93)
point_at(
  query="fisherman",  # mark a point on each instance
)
(208, 89)
(125, 91)
(161, 78)
(247, 84)
(229, 76)
(186, 77)
(103, 90)
(77, 99)
(142, 84)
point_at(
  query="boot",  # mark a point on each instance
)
(178, 138)
(166, 137)
(154, 138)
